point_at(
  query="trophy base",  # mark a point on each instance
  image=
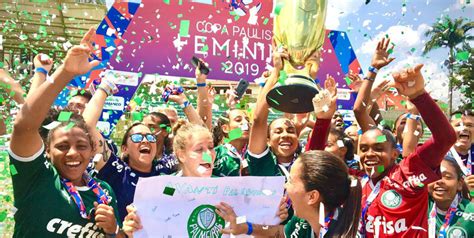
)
(296, 96)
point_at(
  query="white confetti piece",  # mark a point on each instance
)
(44, 57)
(354, 182)
(110, 32)
(241, 219)
(340, 143)
(411, 83)
(97, 158)
(201, 169)
(244, 127)
(52, 125)
(245, 164)
(325, 108)
(267, 192)
(67, 45)
(416, 133)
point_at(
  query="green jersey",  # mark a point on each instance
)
(227, 161)
(298, 228)
(264, 164)
(462, 224)
(45, 208)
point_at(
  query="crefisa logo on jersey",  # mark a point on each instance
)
(391, 199)
(204, 222)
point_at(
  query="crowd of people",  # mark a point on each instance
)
(357, 180)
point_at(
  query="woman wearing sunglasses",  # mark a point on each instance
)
(138, 152)
(54, 195)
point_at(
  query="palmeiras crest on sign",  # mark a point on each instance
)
(204, 222)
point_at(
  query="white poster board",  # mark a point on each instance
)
(189, 211)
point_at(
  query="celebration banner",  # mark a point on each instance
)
(171, 206)
(234, 37)
(338, 60)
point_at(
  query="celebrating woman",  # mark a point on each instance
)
(325, 198)
(230, 155)
(82, 205)
(449, 203)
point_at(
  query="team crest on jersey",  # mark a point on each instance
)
(457, 232)
(204, 222)
(391, 199)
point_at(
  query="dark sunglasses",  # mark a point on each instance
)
(137, 138)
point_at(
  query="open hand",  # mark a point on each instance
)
(381, 55)
(324, 102)
(77, 58)
(410, 82)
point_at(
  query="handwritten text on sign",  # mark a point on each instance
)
(171, 206)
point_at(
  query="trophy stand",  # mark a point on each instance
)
(296, 96)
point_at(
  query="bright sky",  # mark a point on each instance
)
(366, 24)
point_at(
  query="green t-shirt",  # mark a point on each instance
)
(298, 228)
(264, 164)
(45, 208)
(227, 162)
(462, 224)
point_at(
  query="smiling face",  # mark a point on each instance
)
(374, 154)
(283, 139)
(197, 157)
(70, 151)
(337, 121)
(238, 119)
(444, 190)
(464, 127)
(140, 154)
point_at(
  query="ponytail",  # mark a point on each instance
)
(347, 223)
(324, 172)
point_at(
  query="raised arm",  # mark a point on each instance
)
(188, 109)
(259, 130)
(410, 82)
(26, 140)
(379, 60)
(43, 65)
(325, 106)
(91, 115)
(410, 134)
(204, 107)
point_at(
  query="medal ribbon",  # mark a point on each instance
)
(447, 218)
(367, 204)
(76, 197)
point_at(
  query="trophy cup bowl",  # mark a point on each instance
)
(300, 28)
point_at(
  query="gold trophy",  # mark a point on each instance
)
(300, 28)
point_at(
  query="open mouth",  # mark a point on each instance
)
(144, 150)
(285, 145)
(206, 165)
(371, 163)
(439, 191)
(73, 164)
(464, 136)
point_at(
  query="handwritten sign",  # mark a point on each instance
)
(188, 211)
